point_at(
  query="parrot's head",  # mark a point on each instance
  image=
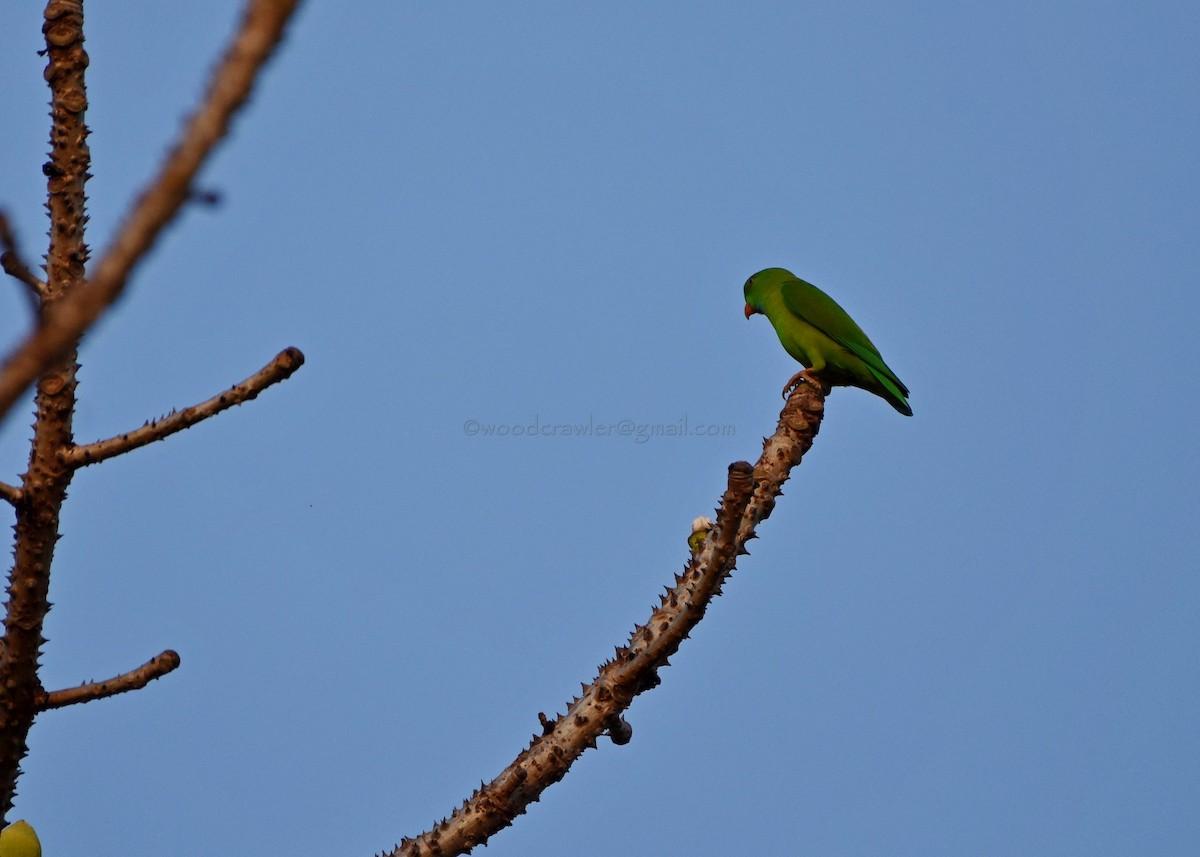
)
(762, 284)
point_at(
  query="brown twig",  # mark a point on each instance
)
(279, 369)
(748, 500)
(13, 263)
(63, 324)
(10, 493)
(156, 667)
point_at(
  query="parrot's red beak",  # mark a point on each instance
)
(750, 310)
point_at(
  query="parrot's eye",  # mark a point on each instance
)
(746, 287)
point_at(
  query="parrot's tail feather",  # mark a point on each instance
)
(893, 392)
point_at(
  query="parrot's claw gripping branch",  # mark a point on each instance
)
(748, 500)
(799, 378)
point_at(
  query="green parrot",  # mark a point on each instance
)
(819, 333)
(19, 840)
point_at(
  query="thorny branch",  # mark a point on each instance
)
(44, 485)
(156, 667)
(279, 369)
(63, 324)
(67, 304)
(748, 500)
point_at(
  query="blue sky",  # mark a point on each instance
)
(971, 632)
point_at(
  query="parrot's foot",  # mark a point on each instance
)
(799, 378)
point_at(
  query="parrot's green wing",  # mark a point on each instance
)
(813, 306)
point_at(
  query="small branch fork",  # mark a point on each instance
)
(61, 326)
(748, 500)
(73, 296)
(286, 362)
(279, 369)
(156, 667)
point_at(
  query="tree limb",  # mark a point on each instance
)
(63, 324)
(279, 369)
(748, 500)
(44, 485)
(10, 493)
(14, 265)
(156, 667)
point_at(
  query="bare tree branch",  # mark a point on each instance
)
(70, 305)
(14, 265)
(156, 667)
(10, 493)
(45, 483)
(63, 324)
(279, 369)
(748, 500)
